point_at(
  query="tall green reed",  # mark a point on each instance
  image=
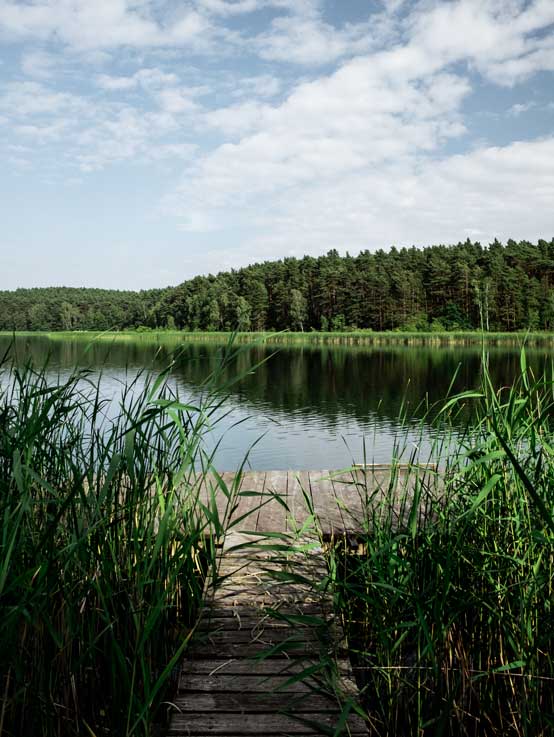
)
(107, 527)
(448, 603)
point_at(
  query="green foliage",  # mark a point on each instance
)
(436, 326)
(61, 308)
(298, 310)
(416, 322)
(103, 547)
(466, 286)
(448, 602)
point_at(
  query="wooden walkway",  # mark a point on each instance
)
(336, 498)
(268, 657)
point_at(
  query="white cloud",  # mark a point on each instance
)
(85, 25)
(498, 37)
(116, 84)
(519, 108)
(97, 133)
(21, 99)
(492, 192)
(230, 7)
(175, 100)
(237, 120)
(39, 64)
(357, 117)
(124, 134)
(19, 163)
(359, 151)
(172, 151)
(45, 132)
(149, 78)
(302, 36)
(307, 41)
(356, 157)
(262, 85)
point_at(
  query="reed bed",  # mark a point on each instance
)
(105, 540)
(315, 337)
(447, 601)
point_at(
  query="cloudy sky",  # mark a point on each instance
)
(145, 141)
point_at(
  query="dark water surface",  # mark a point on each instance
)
(309, 407)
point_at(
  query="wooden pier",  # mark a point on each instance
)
(284, 501)
(268, 657)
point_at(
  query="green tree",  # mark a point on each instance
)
(69, 316)
(243, 311)
(298, 311)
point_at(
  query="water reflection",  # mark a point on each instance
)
(313, 405)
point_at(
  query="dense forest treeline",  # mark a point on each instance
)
(464, 286)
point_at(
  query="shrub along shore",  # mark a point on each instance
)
(353, 337)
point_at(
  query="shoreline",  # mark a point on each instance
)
(360, 337)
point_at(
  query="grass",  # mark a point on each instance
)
(353, 337)
(105, 539)
(448, 602)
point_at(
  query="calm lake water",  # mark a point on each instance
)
(308, 407)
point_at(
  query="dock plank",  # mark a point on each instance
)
(273, 514)
(251, 494)
(221, 700)
(257, 683)
(336, 497)
(298, 484)
(223, 723)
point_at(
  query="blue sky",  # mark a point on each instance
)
(145, 141)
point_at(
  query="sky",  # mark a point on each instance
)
(143, 142)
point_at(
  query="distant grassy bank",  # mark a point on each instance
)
(356, 337)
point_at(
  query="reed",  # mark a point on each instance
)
(106, 533)
(314, 337)
(447, 602)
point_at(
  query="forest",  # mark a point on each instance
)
(499, 287)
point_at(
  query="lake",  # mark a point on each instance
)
(304, 407)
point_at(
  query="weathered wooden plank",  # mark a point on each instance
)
(261, 634)
(375, 482)
(293, 648)
(245, 516)
(375, 492)
(268, 598)
(327, 512)
(255, 702)
(243, 503)
(249, 667)
(252, 624)
(273, 513)
(348, 500)
(238, 612)
(257, 724)
(251, 683)
(298, 485)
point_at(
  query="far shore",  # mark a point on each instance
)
(352, 337)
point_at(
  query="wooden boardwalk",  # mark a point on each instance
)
(268, 657)
(336, 498)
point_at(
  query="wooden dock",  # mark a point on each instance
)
(285, 501)
(268, 657)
